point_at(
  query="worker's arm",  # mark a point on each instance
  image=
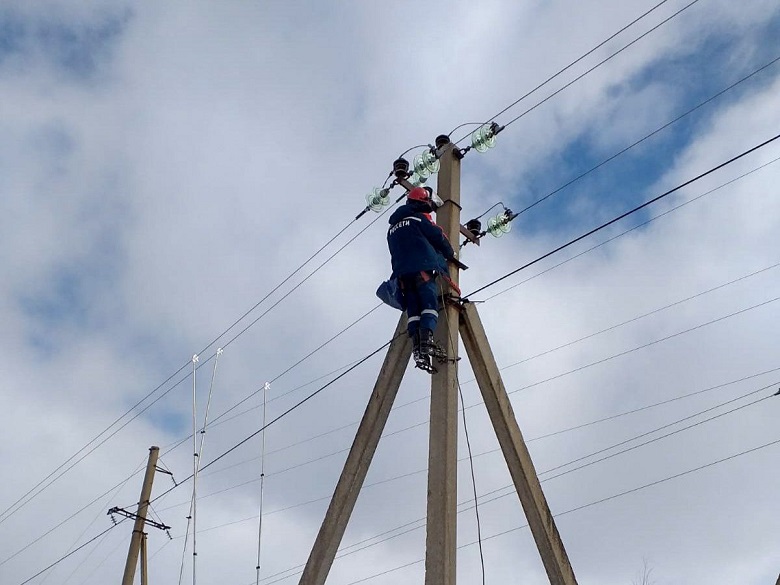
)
(441, 244)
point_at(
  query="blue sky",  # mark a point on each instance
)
(163, 166)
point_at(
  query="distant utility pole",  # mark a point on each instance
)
(138, 539)
(458, 316)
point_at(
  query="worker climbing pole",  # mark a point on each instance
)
(419, 252)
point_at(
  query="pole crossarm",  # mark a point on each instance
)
(521, 468)
(359, 459)
(133, 516)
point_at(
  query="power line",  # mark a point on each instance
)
(595, 503)
(564, 262)
(600, 63)
(9, 512)
(580, 58)
(636, 227)
(344, 551)
(650, 135)
(608, 498)
(279, 417)
(502, 111)
(222, 334)
(534, 384)
(66, 520)
(627, 213)
(640, 347)
(2, 515)
(71, 553)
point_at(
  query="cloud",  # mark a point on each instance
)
(164, 167)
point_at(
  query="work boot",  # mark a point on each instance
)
(427, 344)
(416, 353)
(422, 359)
(429, 347)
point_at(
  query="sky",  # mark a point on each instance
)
(182, 177)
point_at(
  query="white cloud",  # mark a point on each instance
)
(212, 148)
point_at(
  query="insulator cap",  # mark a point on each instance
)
(474, 226)
(401, 168)
(442, 140)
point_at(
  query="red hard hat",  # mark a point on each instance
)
(418, 194)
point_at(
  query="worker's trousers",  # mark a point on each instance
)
(421, 297)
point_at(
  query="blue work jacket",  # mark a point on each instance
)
(415, 242)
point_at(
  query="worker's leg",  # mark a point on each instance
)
(428, 298)
(412, 302)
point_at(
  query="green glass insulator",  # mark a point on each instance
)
(418, 180)
(431, 162)
(483, 138)
(499, 225)
(420, 168)
(378, 199)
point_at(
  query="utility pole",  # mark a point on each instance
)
(140, 518)
(144, 561)
(441, 534)
(457, 316)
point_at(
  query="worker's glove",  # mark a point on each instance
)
(459, 264)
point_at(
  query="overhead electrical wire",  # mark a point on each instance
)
(545, 380)
(590, 504)
(534, 384)
(729, 161)
(417, 523)
(600, 63)
(278, 418)
(69, 518)
(321, 457)
(528, 440)
(650, 135)
(701, 104)
(636, 227)
(98, 544)
(628, 213)
(30, 495)
(3, 514)
(570, 65)
(71, 553)
(668, 211)
(453, 351)
(262, 486)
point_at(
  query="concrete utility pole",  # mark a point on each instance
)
(140, 518)
(144, 561)
(360, 455)
(441, 534)
(457, 315)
